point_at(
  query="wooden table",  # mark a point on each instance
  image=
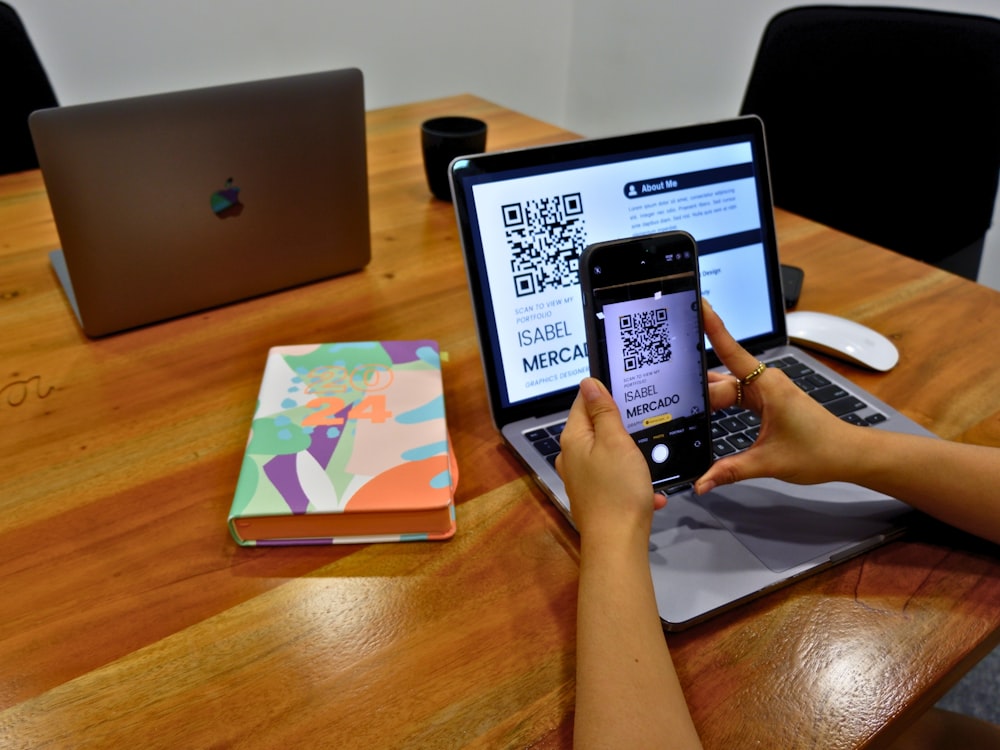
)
(129, 618)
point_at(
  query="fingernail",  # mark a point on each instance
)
(590, 389)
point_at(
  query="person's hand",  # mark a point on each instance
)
(605, 473)
(627, 692)
(799, 441)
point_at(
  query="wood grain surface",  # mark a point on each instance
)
(129, 618)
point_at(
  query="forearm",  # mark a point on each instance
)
(627, 692)
(955, 482)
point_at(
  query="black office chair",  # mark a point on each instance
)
(884, 123)
(26, 88)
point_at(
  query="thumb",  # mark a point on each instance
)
(600, 404)
(727, 471)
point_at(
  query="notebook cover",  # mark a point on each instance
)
(348, 445)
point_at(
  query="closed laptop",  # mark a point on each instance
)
(173, 203)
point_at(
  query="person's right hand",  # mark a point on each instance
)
(799, 441)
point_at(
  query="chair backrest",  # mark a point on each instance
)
(26, 88)
(883, 122)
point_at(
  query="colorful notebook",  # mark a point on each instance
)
(348, 445)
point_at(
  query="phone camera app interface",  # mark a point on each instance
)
(654, 364)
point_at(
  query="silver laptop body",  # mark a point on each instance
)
(172, 203)
(526, 215)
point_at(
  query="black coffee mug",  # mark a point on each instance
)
(443, 139)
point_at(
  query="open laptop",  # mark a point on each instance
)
(526, 215)
(177, 202)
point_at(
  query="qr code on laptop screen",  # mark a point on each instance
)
(545, 237)
(645, 338)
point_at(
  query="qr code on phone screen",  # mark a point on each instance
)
(545, 237)
(645, 338)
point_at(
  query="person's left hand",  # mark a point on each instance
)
(605, 474)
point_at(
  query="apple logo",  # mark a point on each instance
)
(226, 202)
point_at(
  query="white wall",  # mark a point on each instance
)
(593, 66)
(515, 51)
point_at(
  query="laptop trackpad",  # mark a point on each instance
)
(786, 525)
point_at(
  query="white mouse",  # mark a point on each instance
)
(842, 338)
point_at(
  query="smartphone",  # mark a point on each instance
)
(646, 343)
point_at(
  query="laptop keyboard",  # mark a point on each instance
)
(734, 429)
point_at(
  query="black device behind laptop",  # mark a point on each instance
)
(526, 215)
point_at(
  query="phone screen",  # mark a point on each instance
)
(645, 337)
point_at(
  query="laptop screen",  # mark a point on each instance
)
(527, 215)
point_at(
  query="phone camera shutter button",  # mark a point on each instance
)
(660, 453)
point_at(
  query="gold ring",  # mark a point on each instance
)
(740, 382)
(757, 372)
